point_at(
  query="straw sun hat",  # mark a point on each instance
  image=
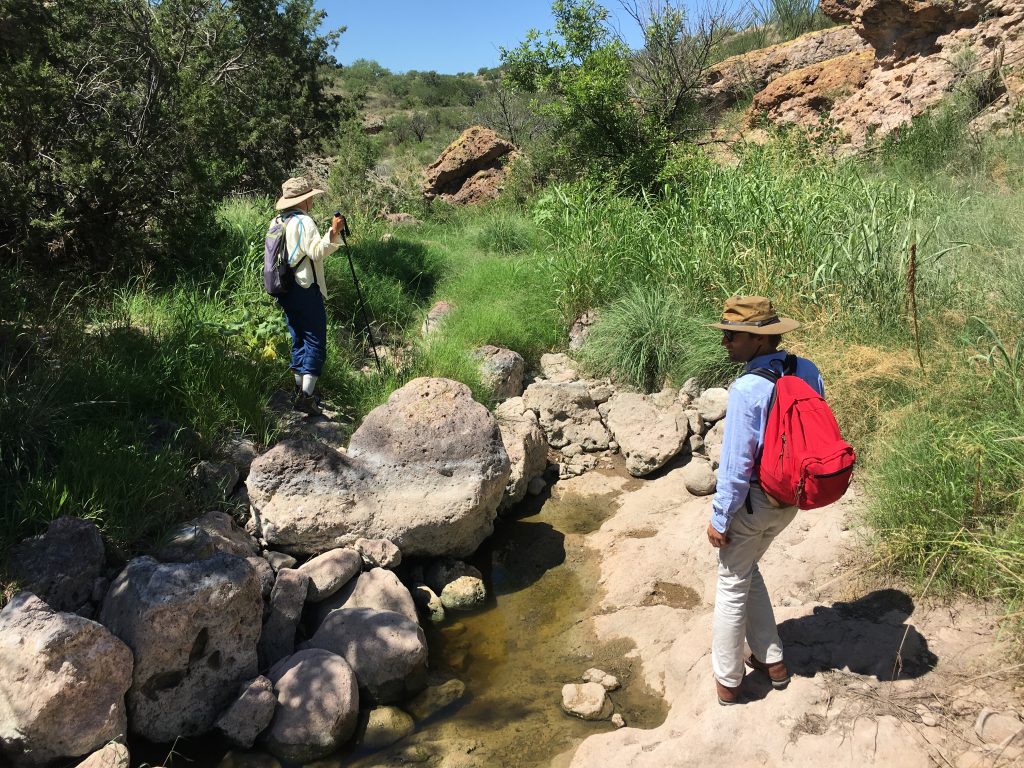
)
(753, 314)
(294, 191)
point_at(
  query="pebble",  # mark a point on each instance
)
(618, 720)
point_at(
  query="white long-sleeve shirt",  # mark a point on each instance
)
(302, 239)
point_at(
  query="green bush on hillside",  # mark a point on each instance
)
(123, 122)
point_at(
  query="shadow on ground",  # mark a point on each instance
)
(867, 636)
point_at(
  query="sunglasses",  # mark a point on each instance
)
(729, 335)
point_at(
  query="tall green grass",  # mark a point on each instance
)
(652, 335)
(813, 233)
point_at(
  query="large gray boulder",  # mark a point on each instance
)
(426, 471)
(61, 565)
(567, 414)
(62, 683)
(192, 628)
(377, 588)
(526, 446)
(386, 650)
(317, 706)
(648, 435)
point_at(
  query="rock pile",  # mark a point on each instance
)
(235, 630)
(586, 421)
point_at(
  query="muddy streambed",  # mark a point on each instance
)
(513, 656)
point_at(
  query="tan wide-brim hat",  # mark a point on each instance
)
(753, 314)
(294, 191)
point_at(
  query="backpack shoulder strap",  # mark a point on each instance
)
(764, 373)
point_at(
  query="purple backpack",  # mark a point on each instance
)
(278, 275)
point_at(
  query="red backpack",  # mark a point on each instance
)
(804, 460)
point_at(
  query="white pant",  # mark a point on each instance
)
(742, 606)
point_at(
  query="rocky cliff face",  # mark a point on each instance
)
(915, 53)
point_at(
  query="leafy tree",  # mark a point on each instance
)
(122, 121)
(585, 65)
(419, 124)
(616, 111)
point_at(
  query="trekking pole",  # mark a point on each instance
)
(359, 294)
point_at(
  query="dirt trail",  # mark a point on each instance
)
(879, 678)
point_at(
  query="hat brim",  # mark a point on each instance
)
(288, 202)
(785, 325)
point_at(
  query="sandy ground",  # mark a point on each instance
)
(879, 678)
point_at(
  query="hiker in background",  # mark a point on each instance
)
(303, 303)
(744, 520)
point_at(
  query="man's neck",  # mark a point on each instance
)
(764, 352)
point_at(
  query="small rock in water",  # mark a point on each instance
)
(427, 599)
(587, 700)
(466, 593)
(434, 698)
(386, 726)
(618, 720)
(594, 675)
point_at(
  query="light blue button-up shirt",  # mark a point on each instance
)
(747, 414)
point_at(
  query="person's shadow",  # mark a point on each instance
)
(867, 636)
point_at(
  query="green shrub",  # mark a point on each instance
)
(653, 334)
(505, 233)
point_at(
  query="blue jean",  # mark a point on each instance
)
(307, 324)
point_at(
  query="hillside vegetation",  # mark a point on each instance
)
(904, 264)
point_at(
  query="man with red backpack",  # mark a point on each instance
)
(762, 480)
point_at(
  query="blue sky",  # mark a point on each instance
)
(447, 36)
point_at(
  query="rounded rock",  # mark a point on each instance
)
(386, 650)
(588, 701)
(317, 705)
(699, 478)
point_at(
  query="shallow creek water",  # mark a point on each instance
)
(513, 656)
